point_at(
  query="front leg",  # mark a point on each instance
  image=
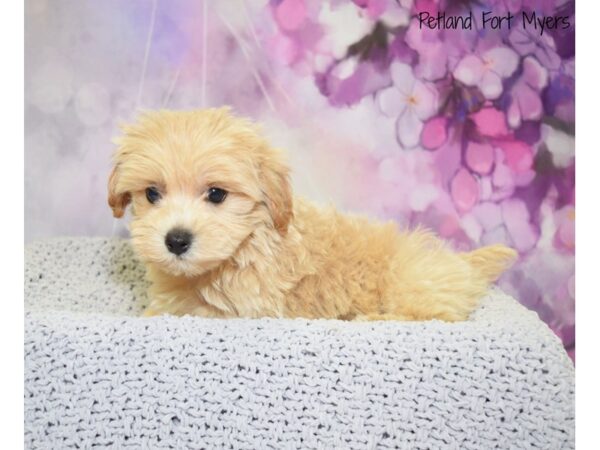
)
(387, 317)
(156, 308)
(151, 312)
(180, 304)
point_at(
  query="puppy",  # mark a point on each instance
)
(221, 235)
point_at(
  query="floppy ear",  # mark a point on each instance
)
(277, 190)
(118, 201)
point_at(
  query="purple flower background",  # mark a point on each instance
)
(468, 132)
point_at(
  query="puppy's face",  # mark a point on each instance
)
(200, 183)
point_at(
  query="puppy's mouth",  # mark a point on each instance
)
(179, 265)
(186, 266)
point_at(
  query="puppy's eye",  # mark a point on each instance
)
(152, 194)
(216, 195)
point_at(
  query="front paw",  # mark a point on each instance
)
(151, 312)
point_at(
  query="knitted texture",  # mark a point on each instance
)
(97, 375)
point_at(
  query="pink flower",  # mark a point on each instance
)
(290, 14)
(464, 190)
(409, 99)
(488, 71)
(503, 179)
(513, 167)
(517, 155)
(517, 221)
(490, 122)
(479, 157)
(525, 95)
(434, 133)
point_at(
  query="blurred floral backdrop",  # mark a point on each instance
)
(469, 132)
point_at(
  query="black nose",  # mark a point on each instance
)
(178, 241)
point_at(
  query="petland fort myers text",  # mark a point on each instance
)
(491, 21)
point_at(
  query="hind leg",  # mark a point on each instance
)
(429, 302)
(426, 280)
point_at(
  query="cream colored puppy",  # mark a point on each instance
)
(216, 224)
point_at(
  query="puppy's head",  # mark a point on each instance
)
(200, 183)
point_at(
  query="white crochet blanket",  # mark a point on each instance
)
(98, 375)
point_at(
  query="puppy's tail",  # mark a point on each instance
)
(491, 261)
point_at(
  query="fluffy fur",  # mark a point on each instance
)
(263, 252)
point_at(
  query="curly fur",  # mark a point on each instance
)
(263, 252)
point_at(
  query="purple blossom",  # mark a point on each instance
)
(528, 41)
(488, 70)
(526, 103)
(411, 101)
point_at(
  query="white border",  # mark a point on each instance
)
(12, 233)
(587, 223)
